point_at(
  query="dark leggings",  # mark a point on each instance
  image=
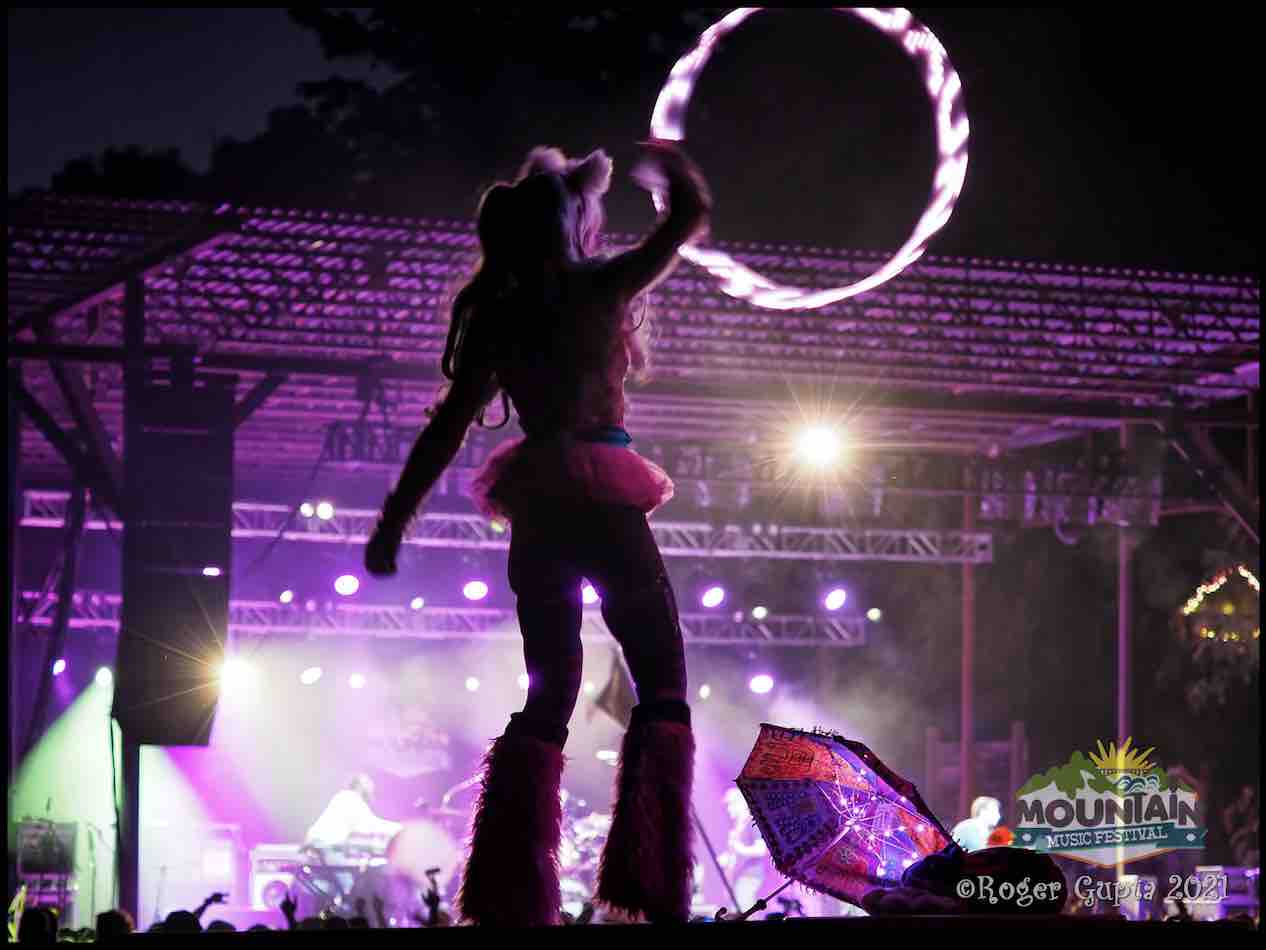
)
(612, 547)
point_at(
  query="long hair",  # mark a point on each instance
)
(551, 211)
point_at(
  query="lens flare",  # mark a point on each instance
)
(819, 446)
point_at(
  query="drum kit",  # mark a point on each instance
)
(394, 876)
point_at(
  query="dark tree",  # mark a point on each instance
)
(130, 172)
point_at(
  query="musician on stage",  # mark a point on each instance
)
(350, 815)
(348, 820)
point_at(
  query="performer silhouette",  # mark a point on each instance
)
(552, 325)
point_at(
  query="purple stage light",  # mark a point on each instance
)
(713, 596)
(475, 590)
(59, 667)
(210, 571)
(835, 598)
(347, 585)
(310, 675)
(761, 684)
(287, 596)
(310, 606)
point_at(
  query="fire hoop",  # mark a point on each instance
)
(943, 85)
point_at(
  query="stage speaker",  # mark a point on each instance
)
(273, 868)
(178, 498)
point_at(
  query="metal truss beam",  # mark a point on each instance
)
(675, 538)
(100, 611)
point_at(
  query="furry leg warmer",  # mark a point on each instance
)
(647, 861)
(511, 876)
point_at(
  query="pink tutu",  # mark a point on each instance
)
(526, 472)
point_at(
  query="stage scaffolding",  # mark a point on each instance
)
(323, 316)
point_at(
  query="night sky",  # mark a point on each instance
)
(1098, 137)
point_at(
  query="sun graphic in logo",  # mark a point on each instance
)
(1125, 759)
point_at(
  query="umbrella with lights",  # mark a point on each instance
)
(834, 817)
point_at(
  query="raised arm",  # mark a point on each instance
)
(432, 453)
(641, 268)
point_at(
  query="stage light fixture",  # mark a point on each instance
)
(286, 596)
(105, 676)
(210, 571)
(588, 594)
(705, 691)
(417, 603)
(307, 510)
(874, 615)
(356, 681)
(235, 671)
(475, 590)
(835, 598)
(324, 510)
(761, 684)
(497, 527)
(472, 684)
(309, 676)
(819, 446)
(712, 596)
(607, 755)
(760, 612)
(347, 584)
(59, 667)
(589, 688)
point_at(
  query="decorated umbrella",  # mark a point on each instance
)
(834, 817)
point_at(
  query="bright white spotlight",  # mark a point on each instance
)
(475, 590)
(607, 755)
(210, 571)
(524, 681)
(287, 596)
(347, 584)
(819, 446)
(835, 598)
(761, 684)
(310, 675)
(713, 596)
(705, 691)
(759, 612)
(324, 510)
(417, 603)
(105, 676)
(588, 594)
(59, 667)
(307, 510)
(874, 615)
(589, 688)
(497, 526)
(235, 672)
(356, 681)
(472, 684)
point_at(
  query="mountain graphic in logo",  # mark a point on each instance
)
(1113, 802)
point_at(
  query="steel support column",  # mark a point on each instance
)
(1125, 645)
(967, 731)
(15, 514)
